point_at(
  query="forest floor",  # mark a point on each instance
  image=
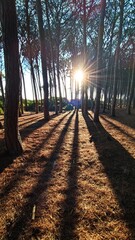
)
(75, 179)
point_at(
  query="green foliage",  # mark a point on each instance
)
(1, 108)
(68, 107)
(1, 111)
(30, 105)
(52, 103)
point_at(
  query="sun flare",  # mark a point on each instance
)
(78, 75)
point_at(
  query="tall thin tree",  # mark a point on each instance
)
(117, 53)
(11, 52)
(99, 60)
(43, 59)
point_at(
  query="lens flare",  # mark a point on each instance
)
(79, 75)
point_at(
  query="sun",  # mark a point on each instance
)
(79, 75)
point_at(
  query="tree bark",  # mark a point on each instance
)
(58, 77)
(11, 53)
(84, 84)
(132, 89)
(34, 85)
(39, 82)
(109, 65)
(24, 87)
(99, 60)
(117, 59)
(52, 56)
(2, 89)
(30, 55)
(43, 59)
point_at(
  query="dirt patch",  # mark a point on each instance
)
(75, 179)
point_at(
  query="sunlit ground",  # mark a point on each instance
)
(65, 186)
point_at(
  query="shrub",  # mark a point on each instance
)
(1, 111)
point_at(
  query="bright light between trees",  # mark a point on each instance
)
(78, 75)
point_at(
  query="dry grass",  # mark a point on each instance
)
(67, 187)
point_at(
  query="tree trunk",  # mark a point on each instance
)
(84, 84)
(50, 83)
(2, 90)
(39, 82)
(21, 111)
(121, 88)
(105, 94)
(109, 66)
(33, 80)
(55, 88)
(99, 60)
(58, 77)
(43, 59)
(52, 56)
(63, 78)
(132, 89)
(128, 85)
(91, 91)
(117, 59)
(11, 52)
(134, 100)
(24, 87)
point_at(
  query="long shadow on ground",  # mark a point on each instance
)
(24, 219)
(124, 118)
(20, 171)
(5, 159)
(32, 127)
(119, 166)
(69, 217)
(28, 121)
(117, 127)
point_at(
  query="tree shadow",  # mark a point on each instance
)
(69, 216)
(119, 166)
(32, 127)
(21, 171)
(28, 120)
(24, 219)
(117, 127)
(124, 118)
(6, 159)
